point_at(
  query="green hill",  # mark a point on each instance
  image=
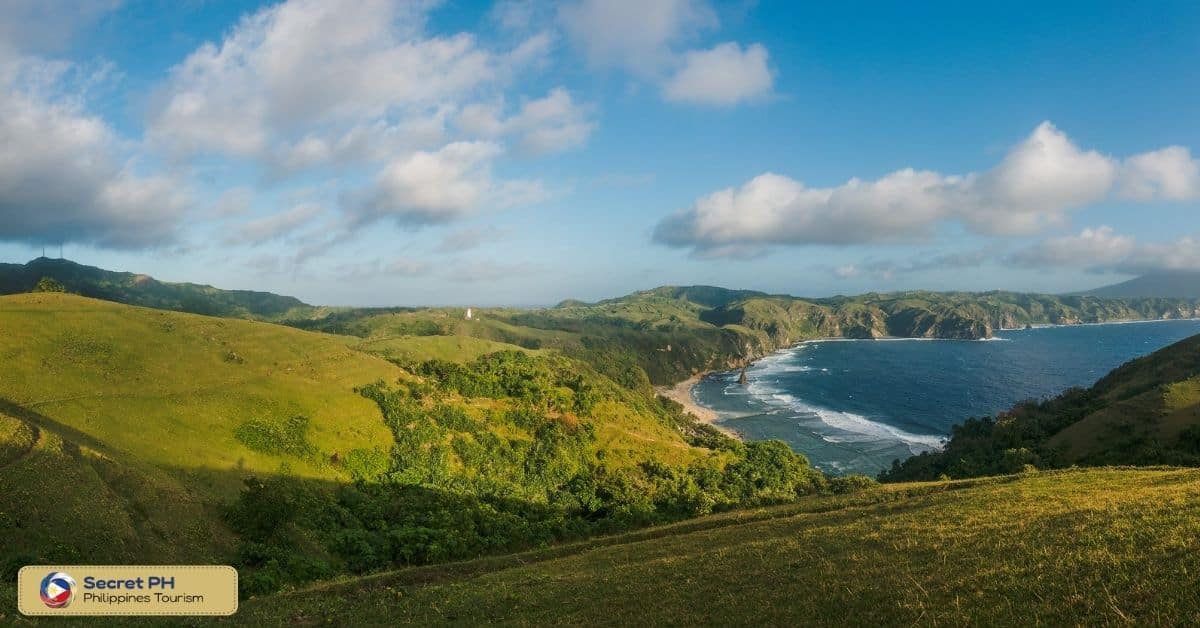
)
(138, 289)
(1145, 412)
(296, 455)
(1091, 547)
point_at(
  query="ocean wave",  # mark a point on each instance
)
(848, 422)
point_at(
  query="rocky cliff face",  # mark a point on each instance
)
(780, 321)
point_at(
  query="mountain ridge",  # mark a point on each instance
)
(1162, 284)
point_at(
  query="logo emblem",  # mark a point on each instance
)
(58, 589)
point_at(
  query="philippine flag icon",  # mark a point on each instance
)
(58, 589)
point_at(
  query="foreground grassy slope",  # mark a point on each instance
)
(1145, 412)
(1104, 546)
(112, 512)
(175, 390)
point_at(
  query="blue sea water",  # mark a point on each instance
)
(854, 406)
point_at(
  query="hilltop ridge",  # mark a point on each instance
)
(657, 336)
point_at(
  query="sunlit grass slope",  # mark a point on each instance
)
(1102, 546)
(190, 392)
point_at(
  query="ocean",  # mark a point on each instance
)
(854, 406)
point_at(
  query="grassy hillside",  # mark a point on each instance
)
(1145, 412)
(111, 512)
(1090, 547)
(296, 455)
(188, 392)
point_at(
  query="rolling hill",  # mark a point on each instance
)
(146, 291)
(473, 447)
(668, 333)
(1165, 284)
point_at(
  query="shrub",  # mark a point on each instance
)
(49, 284)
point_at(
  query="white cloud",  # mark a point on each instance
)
(652, 41)
(1103, 250)
(1179, 254)
(1166, 174)
(1091, 248)
(65, 175)
(440, 186)
(546, 125)
(726, 75)
(635, 35)
(1034, 187)
(297, 79)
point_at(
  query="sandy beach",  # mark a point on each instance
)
(682, 394)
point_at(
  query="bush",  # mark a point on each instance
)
(851, 484)
(49, 284)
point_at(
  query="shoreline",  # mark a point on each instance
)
(681, 393)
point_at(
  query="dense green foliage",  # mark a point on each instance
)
(496, 455)
(1146, 412)
(49, 284)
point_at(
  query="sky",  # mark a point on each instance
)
(386, 152)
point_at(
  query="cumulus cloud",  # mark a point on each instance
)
(430, 187)
(302, 80)
(1103, 250)
(545, 125)
(1169, 174)
(1034, 187)
(1091, 248)
(726, 75)
(652, 41)
(65, 175)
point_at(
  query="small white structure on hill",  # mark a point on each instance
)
(469, 315)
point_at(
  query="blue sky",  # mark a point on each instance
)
(513, 152)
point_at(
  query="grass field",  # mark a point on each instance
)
(1102, 546)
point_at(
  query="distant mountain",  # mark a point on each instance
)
(1172, 284)
(146, 291)
(1146, 412)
